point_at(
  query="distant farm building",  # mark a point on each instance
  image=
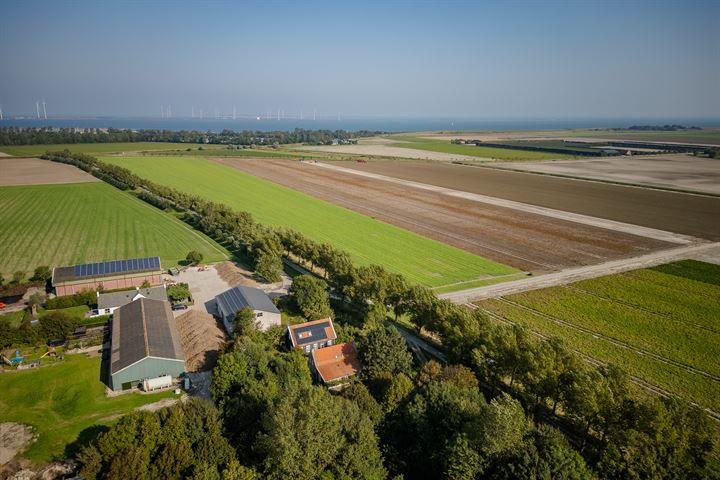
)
(144, 345)
(108, 302)
(335, 363)
(111, 275)
(312, 335)
(239, 297)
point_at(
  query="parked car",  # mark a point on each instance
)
(56, 342)
(179, 306)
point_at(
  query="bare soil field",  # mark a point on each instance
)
(684, 172)
(523, 240)
(34, 171)
(675, 212)
(382, 149)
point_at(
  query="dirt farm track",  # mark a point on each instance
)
(524, 240)
(675, 212)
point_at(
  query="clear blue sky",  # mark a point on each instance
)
(510, 59)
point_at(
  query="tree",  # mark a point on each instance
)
(57, 325)
(145, 284)
(41, 274)
(244, 322)
(269, 267)
(311, 296)
(384, 350)
(462, 461)
(310, 433)
(179, 291)
(194, 257)
(18, 277)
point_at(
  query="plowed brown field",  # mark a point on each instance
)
(524, 240)
(675, 212)
(34, 171)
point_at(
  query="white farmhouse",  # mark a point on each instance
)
(239, 297)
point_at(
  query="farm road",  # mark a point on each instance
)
(572, 275)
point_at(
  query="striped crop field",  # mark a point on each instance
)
(99, 148)
(72, 223)
(367, 240)
(661, 325)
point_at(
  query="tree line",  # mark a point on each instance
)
(50, 135)
(616, 431)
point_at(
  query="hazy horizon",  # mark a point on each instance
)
(509, 60)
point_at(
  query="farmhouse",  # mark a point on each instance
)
(144, 344)
(108, 302)
(337, 362)
(312, 335)
(239, 297)
(111, 275)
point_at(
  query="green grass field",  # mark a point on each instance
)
(368, 240)
(651, 312)
(99, 148)
(61, 401)
(445, 146)
(66, 224)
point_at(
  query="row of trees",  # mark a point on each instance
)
(595, 405)
(48, 135)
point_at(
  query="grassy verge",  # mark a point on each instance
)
(369, 241)
(76, 223)
(64, 403)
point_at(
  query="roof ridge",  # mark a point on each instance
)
(145, 329)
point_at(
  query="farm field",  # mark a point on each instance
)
(61, 401)
(368, 240)
(523, 240)
(708, 136)
(676, 212)
(34, 171)
(661, 327)
(675, 171)
(35, 150)
(504, 154)
(74, 223)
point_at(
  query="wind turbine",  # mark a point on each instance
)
(37, 109)
(162, 112)
(233, 112)
(169, 111)
(192, 112)
(1, 117)
(314, 111)
(44, 110)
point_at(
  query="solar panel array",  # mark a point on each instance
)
(117, 266)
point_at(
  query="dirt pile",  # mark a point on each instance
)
(201, 338)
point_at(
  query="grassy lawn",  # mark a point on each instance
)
(445, 146)
(33, 150)
(61, 401)
(74, 223)
(369, 241)
(672, 316)
(15, 318)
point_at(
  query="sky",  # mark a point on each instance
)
(392, 58)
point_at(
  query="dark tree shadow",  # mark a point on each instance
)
(83, 439)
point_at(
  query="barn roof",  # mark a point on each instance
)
(89, 271)
(143, 328)
(118, 299)
(240, 297)
(311, 332)
(336, 362)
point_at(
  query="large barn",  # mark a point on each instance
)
(144, 345)
(113, 275)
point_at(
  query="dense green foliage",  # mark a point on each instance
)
(33, 136)
(311, 297)
(62, 401)
(183, 441)
(178, 292)
(67, 224)
(194, 257)
(368, 241)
